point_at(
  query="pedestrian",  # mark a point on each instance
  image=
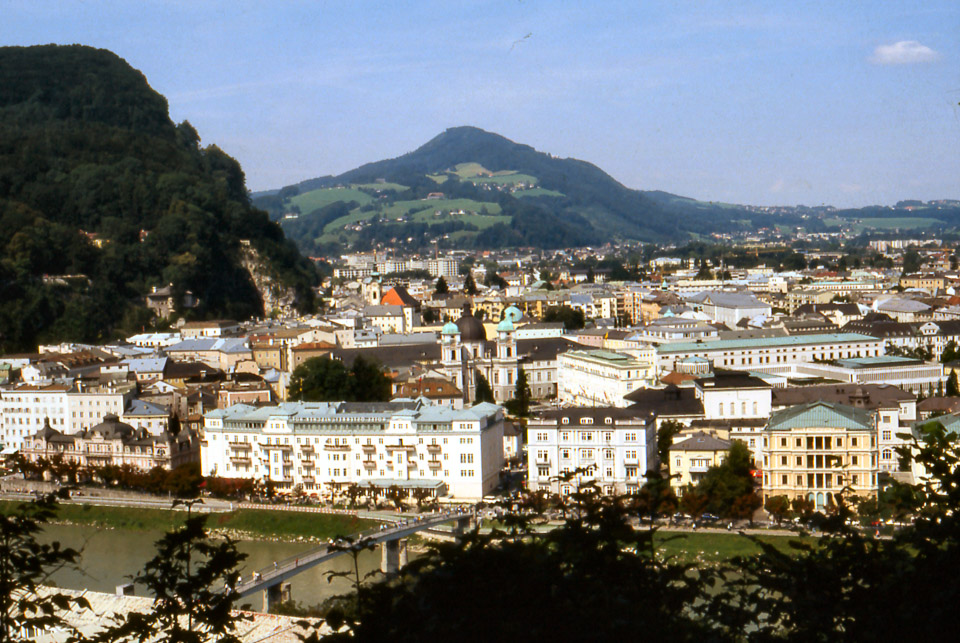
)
(274, 565)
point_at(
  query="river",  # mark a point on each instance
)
(111, 557)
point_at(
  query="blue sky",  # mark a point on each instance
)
(843, 103)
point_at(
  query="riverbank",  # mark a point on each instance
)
(242, 524)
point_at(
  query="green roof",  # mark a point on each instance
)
(878, 360)
(764, 342)
(821, 414)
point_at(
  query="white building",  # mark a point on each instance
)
(614, 447)
(25, 407)
(729, 307)
(601, 378)
(323, 448)
(447, 268)
(772, 354)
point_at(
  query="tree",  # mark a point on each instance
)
(665, 435)
(26, 566)
(520, 404)
(483, 391)
(192, 581)
(493, 280)
(656, 496)
(693, 502)
(953, 389)
(725, 484)
(431, 315)
(322, 379)
(571, 319)
(778, 507)
(441, 287)
(470, 286)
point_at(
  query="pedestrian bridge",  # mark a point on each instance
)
(270, 580)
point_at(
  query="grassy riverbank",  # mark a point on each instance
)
(256, 523)
(714, 547)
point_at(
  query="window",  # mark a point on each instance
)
(565, 435)
(542, 437)
(887, 435)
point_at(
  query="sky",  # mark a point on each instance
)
(838, 103)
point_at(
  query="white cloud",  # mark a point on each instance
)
(905, 52)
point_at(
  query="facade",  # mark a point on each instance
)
(772, 354)
(114, 443)
(601, 378)
(815, 450)
(615, 447)
(691, 455)
(907, 373)
(323, 448)
(25, 408)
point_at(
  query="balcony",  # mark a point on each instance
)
(631, 460)
(411, 464)
(434, 464)
(306, 447)
(543, 459)
(332, 446)
(369, 448)
(433, 448)
(243, 459)
(307, 464)
(240, 445)
(698, 468)
(406, 447)
(370, 464)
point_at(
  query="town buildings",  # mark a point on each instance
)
(322, 448)
(613, 448)
(602, 378)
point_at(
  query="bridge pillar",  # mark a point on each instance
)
(462, 524)
(404, 558)
(390, 556)
(279, 593)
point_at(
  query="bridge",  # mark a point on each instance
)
(272, 580)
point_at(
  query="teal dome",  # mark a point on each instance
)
(505, 326)
(450, 329)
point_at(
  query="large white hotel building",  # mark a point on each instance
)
(324, 447)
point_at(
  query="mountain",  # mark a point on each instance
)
(103, 197)
(540, 200)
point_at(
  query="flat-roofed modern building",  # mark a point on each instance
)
(602, 378)
(614, 447)
(908, 373)
(771, 354)
(815, 450)
(324, 447)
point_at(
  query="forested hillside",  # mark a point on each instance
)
(102, 197)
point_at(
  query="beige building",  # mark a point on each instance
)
(692, 454)
(114, 443)
(815, 450)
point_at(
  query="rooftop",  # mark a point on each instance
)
(764, 342)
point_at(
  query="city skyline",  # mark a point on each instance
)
(821, 104)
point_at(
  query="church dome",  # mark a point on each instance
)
(471, 329)
(450, 329)
(505, 326)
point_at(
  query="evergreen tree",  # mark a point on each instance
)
(483, 392)
(470, 286)
(953, 389)
(520, 404)
(441, 287)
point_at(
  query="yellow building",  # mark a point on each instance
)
(692, 454)
(815, 450)
(929, 282)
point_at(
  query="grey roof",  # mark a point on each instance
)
(222, 344)
(701, 441)
(790, 340)
(146, 364)
(142, 407)
(903, 305)
(868, 396)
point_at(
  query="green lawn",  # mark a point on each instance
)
(314, 199)
(506, 179)
(260, 522)
(382, 187)
(883, 223)
(537, 192)
(689, 547)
